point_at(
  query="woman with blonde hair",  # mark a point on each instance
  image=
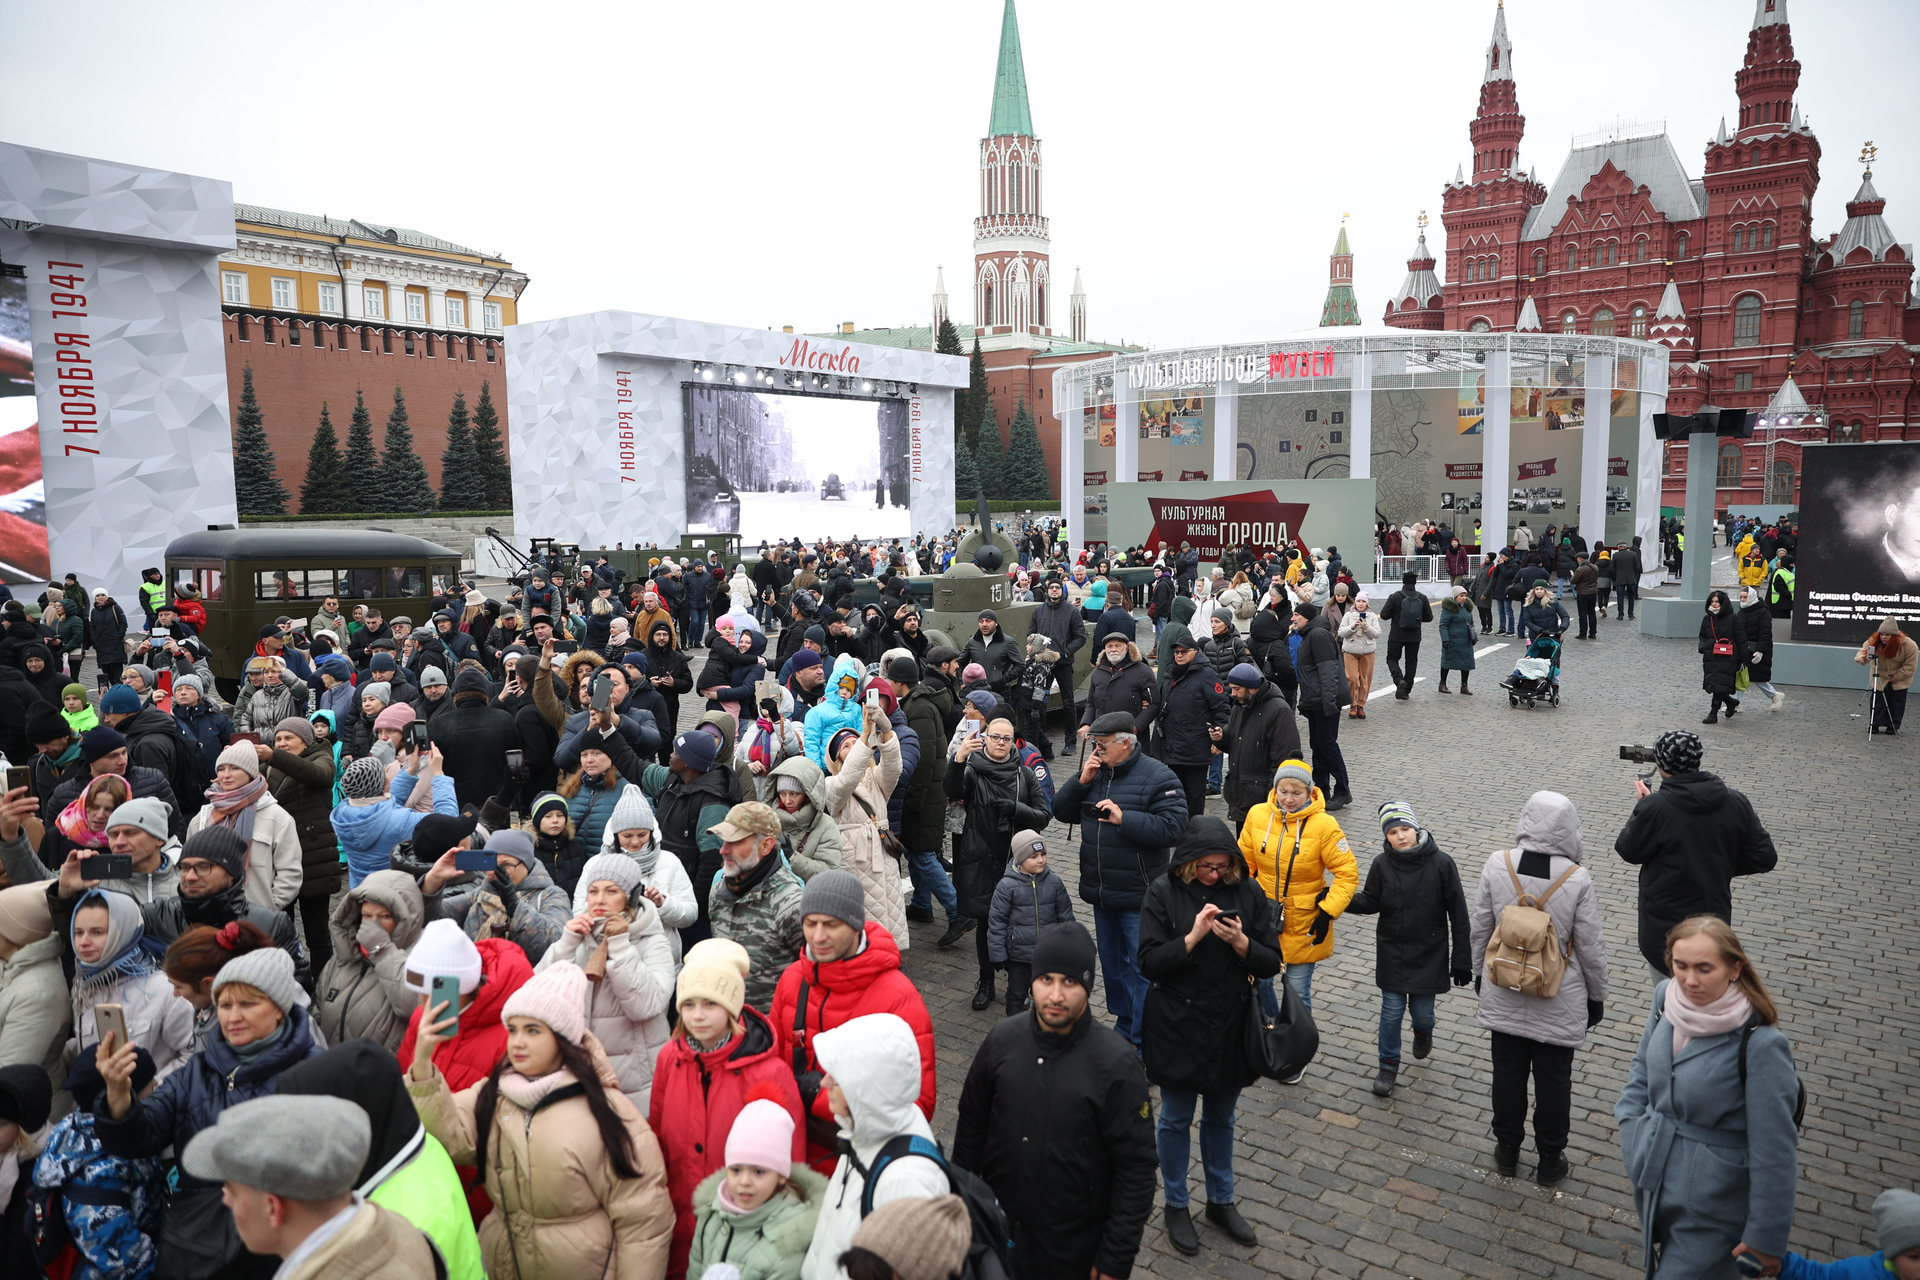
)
(1709, 1119)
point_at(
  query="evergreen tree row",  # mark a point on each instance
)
(474, 473)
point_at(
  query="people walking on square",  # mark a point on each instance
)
(1457, 638)
(1405, 611)
(1323, 691)
(1723, 649)
(1757, 620)
(1359, 644)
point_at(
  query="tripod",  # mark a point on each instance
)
(1875, 698)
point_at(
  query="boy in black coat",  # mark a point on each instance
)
(1415, 890)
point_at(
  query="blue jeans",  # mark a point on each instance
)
(1393, 1007)
(1627, 596)
(696, 626)
(1213, 772)
(1506, 613)
(930, 881)
(1117, 934)
(1175, 1137)
(1299, 977)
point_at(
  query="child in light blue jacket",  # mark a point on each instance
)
(1896, 1215)
(374, 817)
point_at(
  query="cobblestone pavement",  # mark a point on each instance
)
(1342, 1184)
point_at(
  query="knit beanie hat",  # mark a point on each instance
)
(268, 971)
(518, 845)
(379, 689)
(803, 659)
(1397, 813)
(26, 1095)
(1246, 675)
(1297, 770)
(298, 726)
(984, 700)
(24, 916)
(615, 867)
(1678, 751)
(697, 750)
(920, 1238)
(100, 741)
(44, 722)
(382, 662)
(397, 716)
(544, 801)
(223, 847)
(1065, 948)
(556, 996)
(631, 812)
(762, 1136)
(971, 672)
(149, 813)
(145, 672)
(838, 894)
(241, 756)
(1896, 1216)
(366, 779)
(444, 951)
(716, 969)
(433, 678)
(119, 701)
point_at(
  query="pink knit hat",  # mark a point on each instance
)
(397, 716)
(557, 997)
(762, 1136)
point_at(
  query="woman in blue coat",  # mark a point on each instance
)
(1707, 1126)
(1456, 639)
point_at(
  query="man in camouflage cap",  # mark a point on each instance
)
(757, 901)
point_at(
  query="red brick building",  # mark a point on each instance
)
(1726, 269)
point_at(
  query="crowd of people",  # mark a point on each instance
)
(486, 951)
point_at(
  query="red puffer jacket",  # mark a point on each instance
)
(469, 1057)
(869, 981)
(695, 1099)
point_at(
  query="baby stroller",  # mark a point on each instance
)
(1536, 677)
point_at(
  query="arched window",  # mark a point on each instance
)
(1539, 262)
(1569, 323)
(1680, 243)
(1856, 319)
(1746, 321)
(1780, 483)
(1729, 473)
(1637, 326)
(1640, 249)
(1739, 239)
(1016, 174)
(1490, 269)
(1471, 265)
(1573, 252)
(1480, 326)
(1602, 326)
(1766, 235)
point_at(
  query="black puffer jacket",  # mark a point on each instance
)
(1226, 651)
(1267, 639)
(1690, 839)
(1416, 894)
(303, 785)
(1129, 687)
(108, 626)
(923, 802)
(1756, 620)
(1261, 734)
(1117, 863)
(474, 737)
(1195, 1016)
(1000, 799)
(1717, 671)
(16, 695)
(1193, 699)
(1323, 676)
(998, 656)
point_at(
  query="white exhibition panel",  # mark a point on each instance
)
(122, 279)
(597, 417)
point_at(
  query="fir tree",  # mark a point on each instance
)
(324, 490)
(462, 487)
(490, 455)
(946, 341)
(966, 480)
(1026, 462)
(990, 457)
(256, 486)
(403, 483)
(360, 473)
(978, 404)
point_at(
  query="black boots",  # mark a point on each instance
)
(956, 930)
(1383, 1082)
(1228, 1219)
(1464, 691)
(1180, 1232)
(1506, 1158)
(1443, 682)
(1422, 1042)
(1553, 1167)
(1339, 800)
(983, 994)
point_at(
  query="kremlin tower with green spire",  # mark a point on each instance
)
(1340, 307)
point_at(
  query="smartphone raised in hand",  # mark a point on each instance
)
(111, 1018)
(444, 990)
(18, 776)
(109, 866)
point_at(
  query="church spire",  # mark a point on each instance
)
(1011, 115)
(939, 300)
(1340, 307)
(1497, 124)
(1077, 310)
(1499, 49)
(1770, 74)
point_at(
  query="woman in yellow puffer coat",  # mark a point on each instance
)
(1293, 845)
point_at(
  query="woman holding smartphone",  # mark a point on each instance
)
(999, 798)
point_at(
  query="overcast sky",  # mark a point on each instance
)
(766, 163)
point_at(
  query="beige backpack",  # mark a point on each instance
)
(1524, 952)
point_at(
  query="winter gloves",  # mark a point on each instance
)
(1461, 977)
(1322, 923)
(1595, 1011)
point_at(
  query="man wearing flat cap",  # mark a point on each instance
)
(757, 901)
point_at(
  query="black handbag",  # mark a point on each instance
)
(1280, 1049)
(198, 1241)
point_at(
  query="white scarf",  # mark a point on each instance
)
(1693, 1021)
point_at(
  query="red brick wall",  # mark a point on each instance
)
(1016, 374)
(292, 381)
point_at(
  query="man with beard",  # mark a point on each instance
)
(670, 677)
(757, 901)
(906, 633)
(1057, 1099)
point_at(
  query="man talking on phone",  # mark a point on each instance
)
(1131, 810)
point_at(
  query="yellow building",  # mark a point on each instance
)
(302, 264)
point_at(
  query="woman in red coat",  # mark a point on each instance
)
(489, 971)
(721, 1057)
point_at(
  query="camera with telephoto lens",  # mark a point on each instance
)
(1637, 754)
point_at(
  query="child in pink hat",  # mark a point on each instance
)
(759, 1212)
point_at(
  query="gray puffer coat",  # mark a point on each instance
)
(1022, 906)
(1549, 830)
(367, 994)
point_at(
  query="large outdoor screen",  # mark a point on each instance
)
(23, 494)
(768, 465)
(1859, 540)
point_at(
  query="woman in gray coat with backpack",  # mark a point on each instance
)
(1709, 1120)
(1541, 978)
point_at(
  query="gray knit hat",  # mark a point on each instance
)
(1297, 771)
(920, 1238)
(365, 779)
(1896, 1215)
(432, 677)
(1397, 813)
(149, 813)
(834, 893)
(300, 1146)
(268, 971)
(223, 847)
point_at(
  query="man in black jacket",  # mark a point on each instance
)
(1054, 1099)
(1261, 735)
(103, 750)
(1066, 633)
(1689, 839)
(1323, 691)
(1627, 568)
(1403, 614)
(1193, 702)
(923, 812)
(998, 656)
(1131, 809)
(1121, 681)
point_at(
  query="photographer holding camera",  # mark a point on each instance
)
(1689, 839)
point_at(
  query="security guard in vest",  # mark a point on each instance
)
(153, 593)
(1780, 590)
